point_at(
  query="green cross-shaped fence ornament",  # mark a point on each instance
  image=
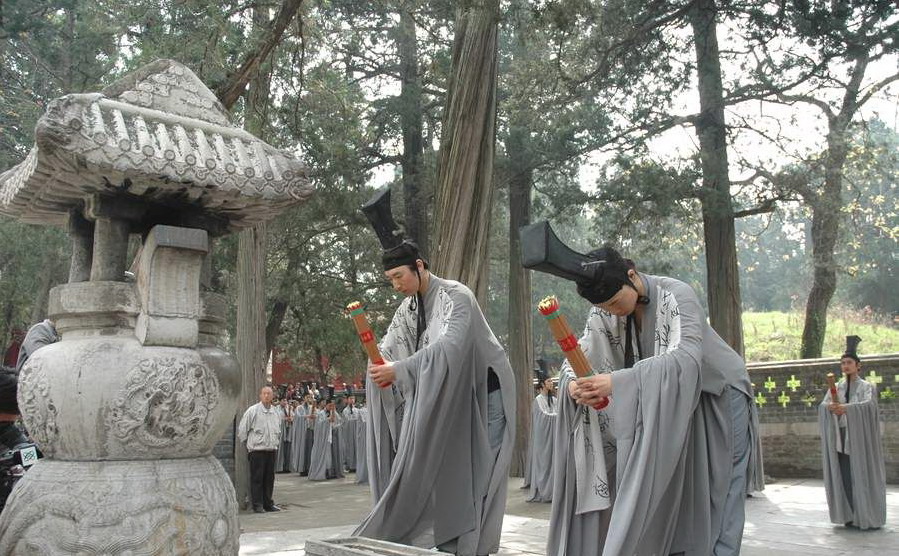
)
(809, 400)
(794, 383)
(874, 378)
(770, 384)
(783, 399)
(760, 399)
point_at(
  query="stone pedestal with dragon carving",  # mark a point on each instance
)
(129, 404)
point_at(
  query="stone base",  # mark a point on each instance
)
(361, 546)
(177, 506)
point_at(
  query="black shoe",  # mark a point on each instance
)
(272, 508)
(258, 509)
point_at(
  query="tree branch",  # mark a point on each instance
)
(234, 87)
(877, 87)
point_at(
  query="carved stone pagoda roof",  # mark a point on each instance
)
(157, 134)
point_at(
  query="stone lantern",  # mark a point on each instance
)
(128, 405)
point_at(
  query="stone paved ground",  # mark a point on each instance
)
(789, 518)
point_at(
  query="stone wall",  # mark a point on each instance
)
(788, 394)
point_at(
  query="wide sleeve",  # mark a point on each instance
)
(866, 452)
(452, 340)
(652, 409)
(397, 343)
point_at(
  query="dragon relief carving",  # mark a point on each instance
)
(184, 515)
(38, 407)
(166, 402)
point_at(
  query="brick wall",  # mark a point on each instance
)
(788, 394)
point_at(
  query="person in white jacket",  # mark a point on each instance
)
(260, 430)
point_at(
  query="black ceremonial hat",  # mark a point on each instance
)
(852, 348)
(599, 274)
(397, 250)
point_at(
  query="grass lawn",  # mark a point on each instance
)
(777, 336)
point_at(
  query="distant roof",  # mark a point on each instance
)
(158, 134)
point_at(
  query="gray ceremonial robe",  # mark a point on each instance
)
(445, 487)
(335, 470)
(856, 494)
(320, 460)
(350, 417)
(298, 455)
(539, 473)
(282, 454)
(667, 437)
(361, 459)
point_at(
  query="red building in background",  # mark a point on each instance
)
(285, 371)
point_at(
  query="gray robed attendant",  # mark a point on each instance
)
(350, 416)
(444, 485)
(361, 467)
(335, 470)
(299, 462)
(539, 472)
(282, 454)
(856, 494)
(320, 459)
(666, 440)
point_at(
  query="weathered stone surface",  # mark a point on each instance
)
(164, 507)
(81, 233)
(113, 398)
(361, 546)
(94, 308)
(159, 135)
(168, 280)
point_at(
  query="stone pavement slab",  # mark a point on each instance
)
(789, 518)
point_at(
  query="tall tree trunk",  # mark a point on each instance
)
(521, 344)
(825, 229)
(521, 175)
(826, 217)
(281, 302)
(414, 193)
(250, 338)
(251, 322)
(717, 210)
(465, 174)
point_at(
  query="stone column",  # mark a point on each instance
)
(112, 218)
(127, 408)
(81, 232)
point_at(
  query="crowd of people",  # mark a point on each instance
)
(307, 431)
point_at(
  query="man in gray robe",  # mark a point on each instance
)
(675, 441)
(539, 472)
(350, 415)
(335, 470)
(38, 336)
(282, 455)
(446, 483)
(320, 459)
(302, 436)
(361, 467)
(854, 474)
